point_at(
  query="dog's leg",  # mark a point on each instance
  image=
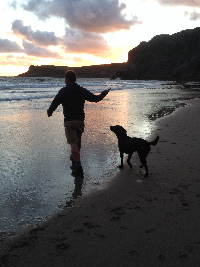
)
(146, 168)
(144, 164)
(128, 160)
(121, 155)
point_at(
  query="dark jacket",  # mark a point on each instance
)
(72, 97)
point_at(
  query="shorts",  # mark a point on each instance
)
(73, 131)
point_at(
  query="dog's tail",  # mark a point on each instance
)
(153, 143)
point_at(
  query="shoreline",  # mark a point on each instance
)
(133, 220)
(39, 167)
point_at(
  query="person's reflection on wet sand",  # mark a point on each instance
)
(78, 181)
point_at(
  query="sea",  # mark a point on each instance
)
(35, 174)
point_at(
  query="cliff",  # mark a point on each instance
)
(94, 71)
(166, 57)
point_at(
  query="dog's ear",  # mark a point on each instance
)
(121, 129)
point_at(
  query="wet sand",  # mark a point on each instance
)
(35, 174)
(133, 221)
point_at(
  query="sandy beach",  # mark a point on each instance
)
(133, 220)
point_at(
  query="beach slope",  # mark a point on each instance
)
(133, 221)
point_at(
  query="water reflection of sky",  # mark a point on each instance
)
(35, 170)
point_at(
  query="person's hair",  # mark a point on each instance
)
(71, 75)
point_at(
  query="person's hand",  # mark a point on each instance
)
(107, 91)
(49, 114)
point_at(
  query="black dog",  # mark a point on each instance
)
(129, 145)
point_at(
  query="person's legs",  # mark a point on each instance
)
(75, 152)
(77, 169)
(79, 143)
(73, 131)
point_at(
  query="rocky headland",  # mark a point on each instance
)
(165, 57)
(94, 71)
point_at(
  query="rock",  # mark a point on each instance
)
(173, 57)
(167, 57)
(94, 71)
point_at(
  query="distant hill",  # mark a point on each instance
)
(94, 71)
(166, 57)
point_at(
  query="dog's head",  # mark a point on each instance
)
(118, 130)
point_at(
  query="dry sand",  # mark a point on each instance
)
(134, 221)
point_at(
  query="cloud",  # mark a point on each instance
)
(7, 46)
(85, 15)
(13, 4)
(43, 38)
(76, 41)
(195, 3)
(192, 15)
(14, 60)
(32, 50)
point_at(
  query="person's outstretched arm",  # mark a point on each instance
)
(96, 98)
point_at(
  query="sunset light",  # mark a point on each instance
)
(68, 33)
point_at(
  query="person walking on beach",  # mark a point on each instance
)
(72, 97)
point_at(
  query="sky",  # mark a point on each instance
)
(84, 32)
